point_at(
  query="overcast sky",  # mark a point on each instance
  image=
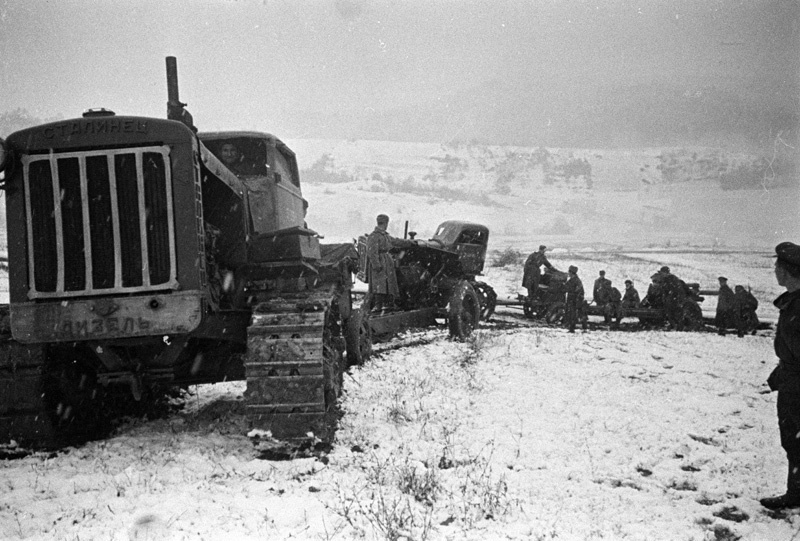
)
(276, 65)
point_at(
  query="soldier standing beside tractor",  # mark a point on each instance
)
(380, 267)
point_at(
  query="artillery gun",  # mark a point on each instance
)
(437, 279)
(549, 302)
(683, 311)
(139, 260)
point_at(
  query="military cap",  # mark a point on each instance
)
(602, 273)
(788, 252)
(664, 269)
(722, 279)
(383, 219)
(542, 248)
(573, 269)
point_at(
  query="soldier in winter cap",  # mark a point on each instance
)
(381, 273)
(532, 274)
(574, 300)
(788, 253)
(785, 378)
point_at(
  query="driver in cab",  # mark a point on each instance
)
(233, 159)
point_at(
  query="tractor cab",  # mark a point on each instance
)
(468, 240)
(268, 169)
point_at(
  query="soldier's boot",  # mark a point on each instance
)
(792, 497)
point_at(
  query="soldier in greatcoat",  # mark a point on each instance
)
(574, 300)
(380, 266)
(676, 295)
(786, 377)
(630, 300)
(599, 285)
(725, 317)
(631, 297)
(655, 292)
(613, 306)
(532, 274)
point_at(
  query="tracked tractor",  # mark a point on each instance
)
(141, 259)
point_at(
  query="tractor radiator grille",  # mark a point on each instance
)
(99, 222)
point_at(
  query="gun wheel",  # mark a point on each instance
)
(692, 316)
(464, 312)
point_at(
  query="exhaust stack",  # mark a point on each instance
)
(175, 109)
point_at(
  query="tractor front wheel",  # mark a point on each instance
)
(358, 337)
(464, 312)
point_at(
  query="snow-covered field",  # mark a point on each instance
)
(524, 432)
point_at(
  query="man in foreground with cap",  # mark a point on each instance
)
(574, 301)
(725, 317)
(786, 377)
(532, 273)
(381, 272)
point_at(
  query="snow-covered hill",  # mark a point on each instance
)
(569, 197)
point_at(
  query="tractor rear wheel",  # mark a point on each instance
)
(487, 298)
(464, 312)
(358, 337)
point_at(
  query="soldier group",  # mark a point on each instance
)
(735, 309)
(666, 291)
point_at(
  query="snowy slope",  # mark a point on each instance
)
(525, 432)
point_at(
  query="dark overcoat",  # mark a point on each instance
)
(380, 265)
(786, 377)
(725, 306)
(531, 272)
